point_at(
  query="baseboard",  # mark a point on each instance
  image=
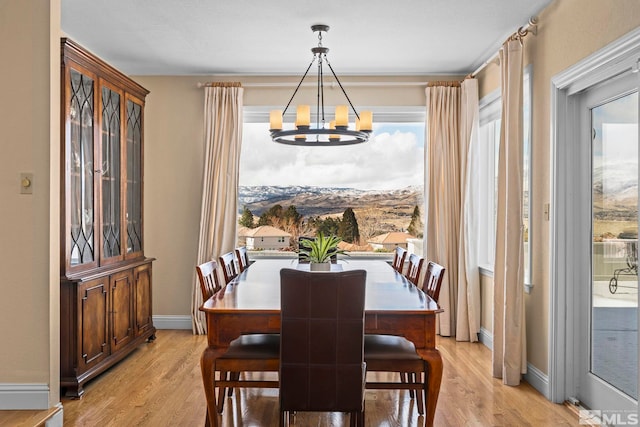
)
(56, 418)
(486, 337)
(538, 380)
(172, 322)
(534, 376)
(24, 396)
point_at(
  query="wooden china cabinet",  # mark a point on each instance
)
(105, 295)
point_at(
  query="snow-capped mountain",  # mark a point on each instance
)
(313, 201)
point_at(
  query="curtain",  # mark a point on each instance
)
(451, 219)
(468, 303)
(218, 216)
(509, 340)
(442, 194)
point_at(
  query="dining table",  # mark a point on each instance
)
(250, 304)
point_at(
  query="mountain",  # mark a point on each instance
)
(318, 201)
(615, 192)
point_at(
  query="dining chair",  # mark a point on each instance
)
(433, 280)
(398, 259)
(228, 264)
(321, 348)
(248, 353)
(415, 268)
(208, 278)
(387, 353)
(242, 258)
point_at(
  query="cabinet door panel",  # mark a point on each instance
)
(110, 172)
(121, 309)
(144, 319)
(134, 176)
(80, 163)
(93, 327)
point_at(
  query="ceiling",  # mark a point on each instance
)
(253, 37)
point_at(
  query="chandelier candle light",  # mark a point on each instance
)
(337, 131)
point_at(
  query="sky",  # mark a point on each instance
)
(393, 158)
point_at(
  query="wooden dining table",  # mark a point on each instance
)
(251, 304)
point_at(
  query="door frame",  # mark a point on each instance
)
(614, 59)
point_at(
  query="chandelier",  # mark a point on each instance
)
(335, 132)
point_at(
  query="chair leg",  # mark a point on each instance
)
(221, 392)
(357, 418)
(283, 415)
(419, 393)
(405, 377)
(235, 376)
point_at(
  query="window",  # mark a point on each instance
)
(489, 140)
(381, 180)
(526, 172)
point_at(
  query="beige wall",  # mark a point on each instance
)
(568, 31)
(29, 121)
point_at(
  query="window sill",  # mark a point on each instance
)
(486, 270)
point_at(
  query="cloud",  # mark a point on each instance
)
(387, 161)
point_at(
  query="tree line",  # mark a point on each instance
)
(345, 227)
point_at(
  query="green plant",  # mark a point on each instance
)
(320, 249)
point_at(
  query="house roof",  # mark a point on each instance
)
(266, 231)
(394, 237)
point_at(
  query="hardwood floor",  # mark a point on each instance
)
(159, 384)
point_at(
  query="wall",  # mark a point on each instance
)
(29, 121)
(568, 31)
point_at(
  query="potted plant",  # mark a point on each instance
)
(318, 251)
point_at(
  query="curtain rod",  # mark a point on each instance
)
(529, 27)
(313, 84)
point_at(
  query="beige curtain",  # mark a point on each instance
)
(451, 203)
(468, 302)
(509, 340)
(442, 193)
(218, 217)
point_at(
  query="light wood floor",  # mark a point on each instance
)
(159, 384)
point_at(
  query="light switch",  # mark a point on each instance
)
(26, 183)
(546, 211)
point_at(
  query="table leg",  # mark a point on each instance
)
(434, 361)
(207, 362)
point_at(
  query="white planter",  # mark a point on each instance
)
(320, 266)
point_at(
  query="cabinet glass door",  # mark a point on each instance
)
(81, 215)
(134, 177)
(110, 175)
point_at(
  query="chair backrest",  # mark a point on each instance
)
(415, 268)
(398, 258)
(433, 280)
(208, 278)
(322, 340)
(228, 264)
(242, 258)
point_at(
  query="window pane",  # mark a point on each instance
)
(614, 334)
(301, 190)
